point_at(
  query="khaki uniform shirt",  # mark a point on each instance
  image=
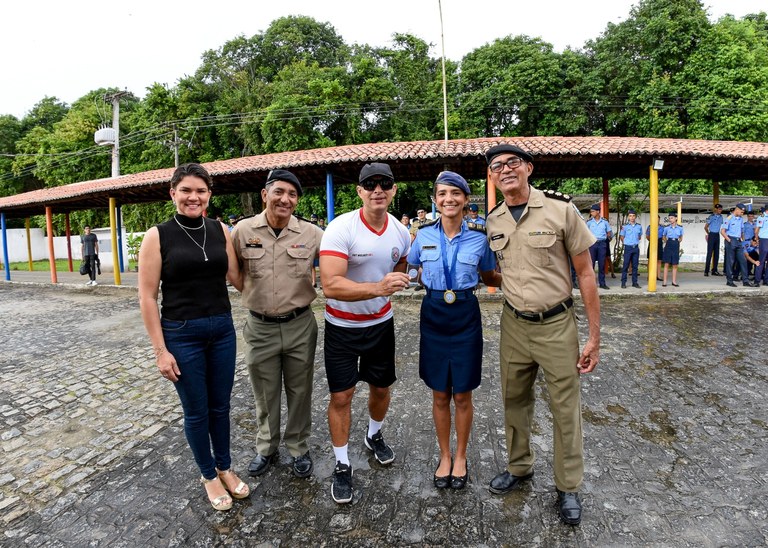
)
(278, 272)
(415, 224)
(533, 253)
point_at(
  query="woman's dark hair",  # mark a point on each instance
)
(196, 170)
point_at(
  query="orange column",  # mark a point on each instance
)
(490, 192)
(69, 242)
(51, 252)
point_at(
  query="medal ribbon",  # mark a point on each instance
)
(448, 271)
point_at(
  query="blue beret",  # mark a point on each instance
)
(494, 151)
(765, 208)
(741, 206)
(595, 207)
(631, 212)
(473, 207)
(452, 179)
(672, 213)
(284, 175)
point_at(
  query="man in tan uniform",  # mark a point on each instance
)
(534, 235)
(276, 252)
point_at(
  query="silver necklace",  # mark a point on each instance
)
(205, 235)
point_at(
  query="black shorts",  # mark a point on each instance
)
(375, 348)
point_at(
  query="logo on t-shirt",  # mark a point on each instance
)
(395, 254)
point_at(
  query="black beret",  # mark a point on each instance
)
(494, 151)
(376, 169)
(284, 175)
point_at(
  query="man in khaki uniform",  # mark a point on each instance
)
(534, 235)
(276, 251)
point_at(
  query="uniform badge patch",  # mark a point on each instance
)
(395, 255)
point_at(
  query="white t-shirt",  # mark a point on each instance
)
(370, 256)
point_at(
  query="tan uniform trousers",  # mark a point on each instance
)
(277, 355)
(553, 345)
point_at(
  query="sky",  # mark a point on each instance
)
(65, 49)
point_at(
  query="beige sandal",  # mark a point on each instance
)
(224, 502)
(241, 491)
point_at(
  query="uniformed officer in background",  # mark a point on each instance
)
(534, 234)
(712, 229)
(276, 251)
(600, 228)
(631, 234)
(733, 232)
(474, 217)
(761, 228)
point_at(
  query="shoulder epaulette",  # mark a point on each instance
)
(300, 218)
(475, 226)
(557, 195)
(497, 206)
(428, 223)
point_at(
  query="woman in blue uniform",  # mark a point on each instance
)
(451, 347)
(673, 236)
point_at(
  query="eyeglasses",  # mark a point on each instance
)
(371, 184)
(512, 163)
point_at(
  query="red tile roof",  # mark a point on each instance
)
(554, 157)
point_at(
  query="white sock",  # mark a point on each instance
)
(373, 427)
(341, 454)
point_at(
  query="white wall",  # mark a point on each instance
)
(17, 246)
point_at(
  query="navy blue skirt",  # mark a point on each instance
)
(671, 252)
(451, 344)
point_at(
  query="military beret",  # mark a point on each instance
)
(494, 151)
(452, 179)
(473, 207)
(595, 207)
(672, 213)
(631, 212)
(741, 206)
(284, 175)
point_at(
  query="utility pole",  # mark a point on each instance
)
(175, 145)
(114, 98)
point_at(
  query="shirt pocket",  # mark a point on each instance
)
(540, 246)
(299, 261)
(498, 244)
(431, 268)
(466, 269)
(254, 259)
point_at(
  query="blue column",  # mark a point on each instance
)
(5, 248)
(329, 196)
(120, 236)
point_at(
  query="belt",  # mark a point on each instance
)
(671, 239)
(440, 295)
(630, 245)
(541, 316)
(280, 319)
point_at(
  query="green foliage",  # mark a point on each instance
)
(665, 71)
(133, 243)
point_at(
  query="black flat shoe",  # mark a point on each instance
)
(674, 284)
(458, 482)
(261, 464)
(443, 482)
(569, 506)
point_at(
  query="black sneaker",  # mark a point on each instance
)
(381, 450)
(341, 488)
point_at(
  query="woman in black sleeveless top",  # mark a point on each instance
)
(193, 336)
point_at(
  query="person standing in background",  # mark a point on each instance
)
(89, 249)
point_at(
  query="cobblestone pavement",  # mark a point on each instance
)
(94, 453)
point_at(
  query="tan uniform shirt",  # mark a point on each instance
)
(533, 253)
(278, 272)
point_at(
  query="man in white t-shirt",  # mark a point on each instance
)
(362, 262)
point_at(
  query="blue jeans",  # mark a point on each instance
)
(205, 349)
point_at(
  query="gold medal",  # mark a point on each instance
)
(449, 297)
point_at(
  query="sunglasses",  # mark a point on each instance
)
(371, 184)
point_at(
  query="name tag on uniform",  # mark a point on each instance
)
(253, 245)
(429, 247)
(497, 237)
(298, 246)
(542, 233)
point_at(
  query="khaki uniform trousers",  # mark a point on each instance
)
(553, 345)
(277, 355)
